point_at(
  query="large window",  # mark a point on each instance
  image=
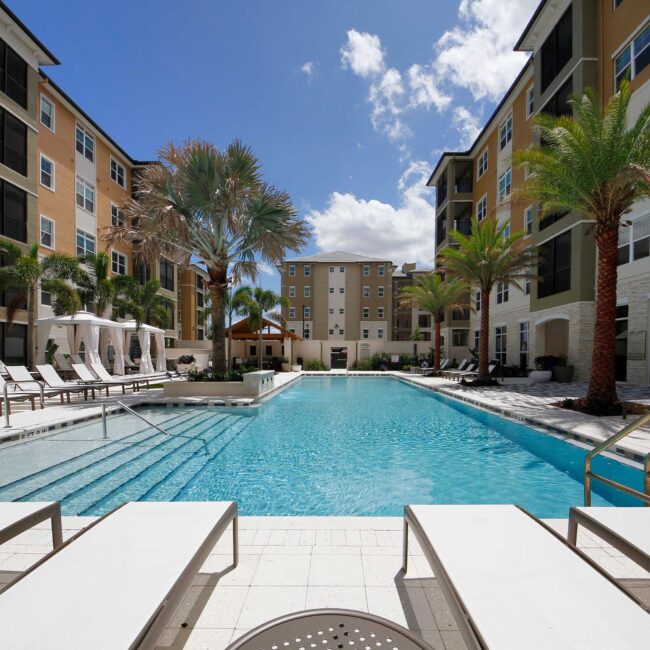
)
(118, 263)
(86, 243)
(85, 194)
(500, 344)
(13, 344)
(48, 113)
(482, 163)
(306, 270)
(141, 272)
(85, 143)
(557, 49)
(502, 292)
(634, 241)
(13, 212)
(13, 75)
(559, 105)
(481, 208)
(459, 338)
(505, 185)
(505, 132)
(166, 274)
(13, 142)
(554, 268)
(634, 58)
(523, 345)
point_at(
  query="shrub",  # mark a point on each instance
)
(215, 375)
(187, 359)
(363, 364)
(314, 364)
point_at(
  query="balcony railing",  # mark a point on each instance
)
(463, 186)
(16, 89)
(12, 227)
(463, 226)
(15, 159)
(441, 194)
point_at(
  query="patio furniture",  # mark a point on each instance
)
(626, 529)
(329, 628)
(17, 517)
(15, 394)
(471, 374)
(129, 365)
(87, 378)
(117, 583)
(437, 373)
(456, 374)
(24, 381)
(52, 379)
(62, 362)
(104, 376)
(512, 582)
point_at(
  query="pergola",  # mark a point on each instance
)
(144, 331)
(242, 331)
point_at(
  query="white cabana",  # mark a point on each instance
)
(144, 337)
(117, 340)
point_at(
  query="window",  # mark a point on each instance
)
(306, 270)
(341, 290)
(292, 292)
(381, 270)
(292, 312)
(380, 312)
(117, 173)
(505, 184)
(253, 350)
(200, 336)
(331, 289)
(366, 271)
(85, 243)
(13, 75)
(85, 143)
(634, 241)
(341, 310)
(116, 216)
(459, 338)
(530, 101)
(13, 344)
(424, 321)
(85, 194)
(482, 163)
(331, 332)
(13, 212)
(306, 291)
(477, 301)
(292, 270)
(523, 345)
(380, 333)
(481, 208)
(166, 274)
(331, 311)
(13, 142)
(118, 263)
(500, 344)
(46, 298)
(506, 230)
(341, 269)
(366, 292)
(47, 113)
(527, 286)
(380, 292)
(200, 302)
(141, 272)
(365, 334)
(306, 312)
(331, 269)
(554, 267)
(307, 333)
(502, 292)
(559, 105)
(268, 350)
(505, 132)
(47, 173)
(47, 232)
(528, 220)
(633, 59)
(477, 340)
(617, 4)
(366, 312)
(557, 49)
(292, 330)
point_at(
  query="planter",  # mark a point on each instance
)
(184, 367)
(286, 367)
(539, 376)
(563, 374)
(296, 368)
(254, 384)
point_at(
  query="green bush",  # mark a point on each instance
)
(314, 364)
(216, 375)
(364, 364)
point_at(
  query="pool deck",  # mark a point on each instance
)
(289, 564)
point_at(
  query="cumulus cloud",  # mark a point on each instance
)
(467, 125)
(425, 88)
(308, 68)
(402, 233)
(362, 54)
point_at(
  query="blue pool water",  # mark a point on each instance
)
(325, 446)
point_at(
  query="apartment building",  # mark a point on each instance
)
(409, 320)
(574, 45)
(338, 296)
(64, 180)
(193, 299)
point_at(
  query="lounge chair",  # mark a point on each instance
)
(16, 394)
(87, 378)
(104, 376)
(492, 368)
(76, 358)
(24, 380)
(627, 529)
(437, 373)
(129, 364)
(117, 583)
(17, 517)
(52, 379)
(62, 362)
(512, 582)
(456, 374)
(461, 366)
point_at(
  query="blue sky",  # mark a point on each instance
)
(347, 104)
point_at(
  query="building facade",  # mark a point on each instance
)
(574, 45)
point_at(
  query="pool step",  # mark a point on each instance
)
(135, 480)
(70, 477)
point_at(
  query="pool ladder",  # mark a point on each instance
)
(128, 409)
(606, 444)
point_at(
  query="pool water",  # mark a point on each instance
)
(324, 446)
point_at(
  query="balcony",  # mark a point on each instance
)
(463, 186)
(15, 159)
(463, 226)
(16, 90)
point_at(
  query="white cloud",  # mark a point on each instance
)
(424, 88)
(477, 54)
(309, 68)
(362, 54)
(384, 96)
(370, 227)
(467, 124)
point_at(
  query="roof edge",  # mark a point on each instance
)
(29, 33)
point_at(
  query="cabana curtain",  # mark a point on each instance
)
(146, 366)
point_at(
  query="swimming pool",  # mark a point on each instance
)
(324, 446)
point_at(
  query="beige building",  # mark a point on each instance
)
(573, 45)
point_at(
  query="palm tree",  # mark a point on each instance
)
(483, 258)
(434, 294)
(23, 273)
(93, 282)
(593, 163)
(254, 303)
(214, 205)
(141, 301)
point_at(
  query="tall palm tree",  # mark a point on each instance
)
(436, 295)
(141, 301)
(93, 282)
(215, 205)
(484, 258)
(254, 303)
(23, 273)
(593, 163)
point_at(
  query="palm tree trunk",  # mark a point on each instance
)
(483, 347)
(259, 352)
(31, 318)
(601, 394)
(230, 345)
(436, 344)
(217, 285)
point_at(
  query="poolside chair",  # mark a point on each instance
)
(512, 582)
(104, 376)
(52, 379)
(3, 369)
(492, 368)
(626, 529)
(437, 373)
(16, 394)
(117, 583)
(129, 364)
(76, 358)
(24, 380)
(84, 376)
(62, 362)
(17, 517)
(461, 366)
(457, 373)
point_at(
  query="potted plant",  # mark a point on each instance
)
(562, 371)
(285, 364)
(186, 362)
(544, 365)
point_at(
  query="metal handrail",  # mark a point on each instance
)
(128, 409)
(5, 395)
(589, 475)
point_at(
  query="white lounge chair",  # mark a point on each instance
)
(15, 394)
(52, 380)
(62, 362)
(87, 378)
(117, 583)
(16, 517)
(103, 375)
(23, 380)
(513, 583)
(627, 529)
